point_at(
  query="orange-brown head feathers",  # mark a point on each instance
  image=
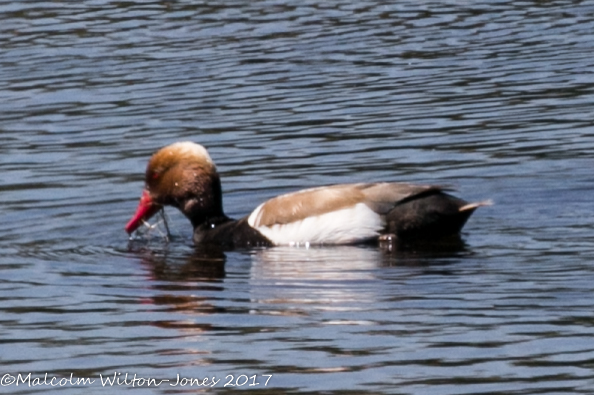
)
(184, 176)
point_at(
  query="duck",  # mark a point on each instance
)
(184, 176)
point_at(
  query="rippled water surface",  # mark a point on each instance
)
(493, 97)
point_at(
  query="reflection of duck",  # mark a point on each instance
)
(315, 265)
(184, 176)
(181, 284)
(296, 281)
(352, 262)
(291, 281)
(204, 264)
(288, 281)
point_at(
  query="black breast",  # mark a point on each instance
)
(230, 233)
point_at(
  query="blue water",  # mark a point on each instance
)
(494, 98)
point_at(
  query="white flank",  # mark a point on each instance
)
(344, 226)
(255, 216)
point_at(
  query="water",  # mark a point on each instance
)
(494, 98)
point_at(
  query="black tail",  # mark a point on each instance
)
(431, 216)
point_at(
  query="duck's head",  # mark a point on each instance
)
(184, 176)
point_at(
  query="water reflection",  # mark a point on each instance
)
(204, 265)
(207, 262)
(283, 280)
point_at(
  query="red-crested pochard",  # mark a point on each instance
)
(184, 176)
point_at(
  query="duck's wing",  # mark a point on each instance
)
(383, 197)
(338, 214)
